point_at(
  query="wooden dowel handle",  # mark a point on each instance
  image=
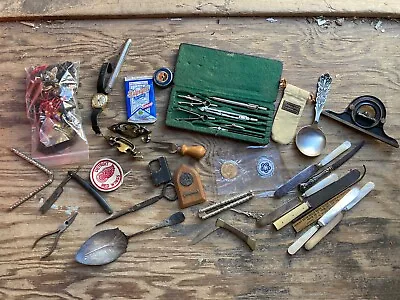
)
(196, 151)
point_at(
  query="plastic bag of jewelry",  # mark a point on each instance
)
(256, 168)
(57, 134)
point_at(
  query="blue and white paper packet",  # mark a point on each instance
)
(140, 99)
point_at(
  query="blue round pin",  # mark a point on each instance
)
(265, 167)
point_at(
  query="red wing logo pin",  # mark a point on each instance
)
(106, 175)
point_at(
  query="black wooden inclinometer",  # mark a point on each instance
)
(366, 114)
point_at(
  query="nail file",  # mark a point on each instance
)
(319, 198)
(272, 216)
(329, 215)
(312, 242)
(305, 174)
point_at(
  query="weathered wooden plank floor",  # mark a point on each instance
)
(78, 9)
(359, 260)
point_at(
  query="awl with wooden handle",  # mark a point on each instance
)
(194, 151)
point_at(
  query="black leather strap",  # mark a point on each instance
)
(93, 118)
(105, 70)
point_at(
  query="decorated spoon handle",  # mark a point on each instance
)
(323, 86)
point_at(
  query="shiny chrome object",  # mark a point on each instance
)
(310, 140)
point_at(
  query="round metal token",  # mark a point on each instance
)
(106, 175)
(186, 179)
(229, 169)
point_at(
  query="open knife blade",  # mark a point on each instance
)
(306, 185)
(321, 197)
(322, 232)
(310, 171)
(292, 203)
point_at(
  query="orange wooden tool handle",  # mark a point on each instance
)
(196, 151)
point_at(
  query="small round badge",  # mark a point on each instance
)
(265, 167)
(106, 175)
(163, 77)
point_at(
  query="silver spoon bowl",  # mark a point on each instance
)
(310, 140)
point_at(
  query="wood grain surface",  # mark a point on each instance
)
(358, 260)
(78, 9)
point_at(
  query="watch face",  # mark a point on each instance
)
(99, 100)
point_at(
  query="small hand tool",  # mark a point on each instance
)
(168, 192)
(310, 171)
(240, 104)
(107, 245)
(58, 232)
(304, 186)
(366, 114)
(188, 186)
(195, 101)
(222, 224)
(194, 151)
(196, 115)
(92, 191)
(227, 114)
(218, 207)
(56, 194)
(38, 189)
(349, 197)
(287, 206)
(321, 197)
(254, 215)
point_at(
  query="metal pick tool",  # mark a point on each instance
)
(222, 224)
(310, 140)
(107, 245)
